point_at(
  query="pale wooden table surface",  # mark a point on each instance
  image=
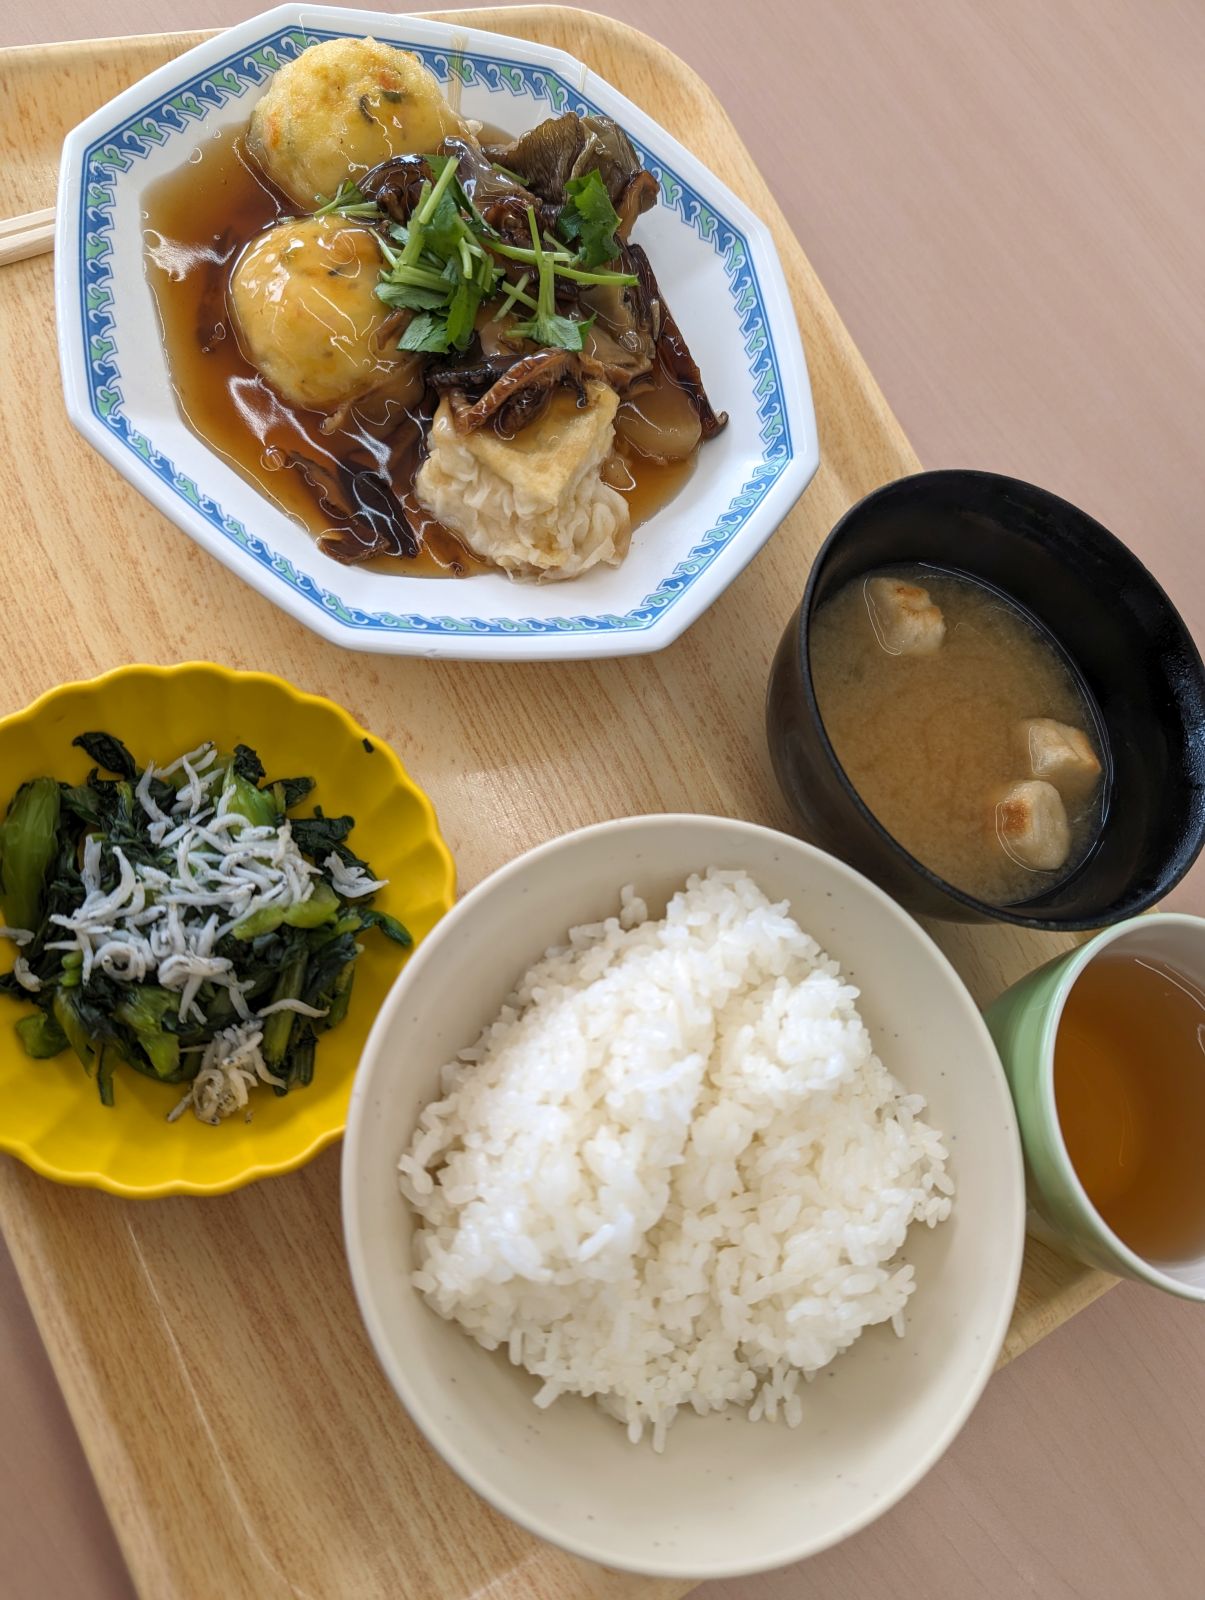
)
(1001, 201)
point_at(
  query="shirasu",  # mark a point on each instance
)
(22, 971)
(162, 922)
(230, 1068)
(350, 882)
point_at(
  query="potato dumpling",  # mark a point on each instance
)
(341, 108)
(307, 315)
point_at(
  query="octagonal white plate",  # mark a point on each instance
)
(715, 261)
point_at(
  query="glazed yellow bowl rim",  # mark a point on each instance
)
(96, 1178)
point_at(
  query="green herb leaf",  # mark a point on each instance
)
(83, 802)
(301, 1058)
(68, 1013)
(547, 326)
(462, 315)
(340, 997)
(152, 1016)
(513, 295)
(562, 333)
(426, 333)
(389, 926)
(106, 1061)
(247, 764)
(589, 220)
(446, 269)
(278, 1028)
(108, 753)
(325, 968)
(446, 227)
(348, 201)
(318, 835)
(438, 165)
(41, 1036)
(290, 791)
(246, 798)
(411, 296)
(28, 846)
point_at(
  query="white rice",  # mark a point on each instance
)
(673, 1172)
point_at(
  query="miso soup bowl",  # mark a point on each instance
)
(1136, 660)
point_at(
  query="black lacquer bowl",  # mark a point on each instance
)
(1136, 660)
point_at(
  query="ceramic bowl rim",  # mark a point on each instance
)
(1070, 974)
(425, 1415)
(96, 1178)
(692, 577)
(981, 910)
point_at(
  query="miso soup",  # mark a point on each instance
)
(963, 727)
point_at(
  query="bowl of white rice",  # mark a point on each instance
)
(683, 1196)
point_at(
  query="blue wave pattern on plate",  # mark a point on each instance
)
(116, 151)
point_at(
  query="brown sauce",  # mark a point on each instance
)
(928, 741)
(197, 221)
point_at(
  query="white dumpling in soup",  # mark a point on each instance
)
(533, 503)
(1059, 754)
(905, 618)
(1030, 821)
(340, 109)
(306, 313)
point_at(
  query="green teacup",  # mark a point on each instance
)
(1024, 1022)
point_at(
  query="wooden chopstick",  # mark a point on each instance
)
(29, 235)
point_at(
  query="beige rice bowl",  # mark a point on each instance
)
(673, 1170)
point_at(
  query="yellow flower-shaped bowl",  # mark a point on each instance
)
(51, 1115)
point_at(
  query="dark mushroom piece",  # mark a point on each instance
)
(672, 350)
(472, 376)
(499, 341)
(481, 180)
(363, 500)
(520, 394)
(396, 184)
(639, 195)
(622, 340)
(543, 156)
(609, 357)
(499, 198)
(507, 216)
(523, 408)
(495, 351)
(608, 150)
(569, 146)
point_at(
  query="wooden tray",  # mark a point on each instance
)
(244, 1442)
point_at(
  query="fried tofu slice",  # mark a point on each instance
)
(535, 503)
(1058, 754)
(1030, 821)
(904, 616)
